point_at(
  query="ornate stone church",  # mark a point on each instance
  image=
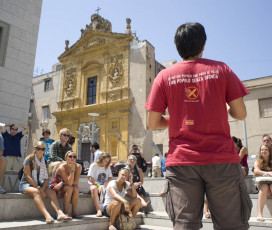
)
(105, 79)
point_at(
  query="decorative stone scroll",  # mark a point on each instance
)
(114, 96)
(97, 23)
(67, 105)
(115, 72)
(93, 43)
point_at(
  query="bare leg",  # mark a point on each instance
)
(75, 198)
(135, 205)
(262, 197)
(94, 195)
(55, 204)
(206, 209)
(35, 193)
(68, 191)
(3, 162)
(113, 210)
(141, 197)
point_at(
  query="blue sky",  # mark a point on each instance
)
(239, 32)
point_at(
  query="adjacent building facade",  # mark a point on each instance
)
(19, 26)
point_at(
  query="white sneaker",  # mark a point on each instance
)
(2, 190)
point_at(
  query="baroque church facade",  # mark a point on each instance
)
(109, 75)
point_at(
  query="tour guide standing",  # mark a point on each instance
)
(202, 157)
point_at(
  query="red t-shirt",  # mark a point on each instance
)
(196, 93)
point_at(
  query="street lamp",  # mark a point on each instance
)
(93, 115)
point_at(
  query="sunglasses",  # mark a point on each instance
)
(38, 149)
(72, 157)
(132, 159)
(66, 135)
(14, 129)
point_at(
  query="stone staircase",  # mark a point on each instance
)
(18, 211)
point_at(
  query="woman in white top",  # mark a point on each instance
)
(99, 176)
(115, 197)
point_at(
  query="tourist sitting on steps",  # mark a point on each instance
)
(99, 175)
(35, 180)
(262, 167)
(138, 180)
(115, 197)
(66, 180)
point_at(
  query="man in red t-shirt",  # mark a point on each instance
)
(202, 157)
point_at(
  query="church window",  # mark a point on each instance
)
(91, 90)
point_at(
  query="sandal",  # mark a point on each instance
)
(260, 218)
(64, 218)
(99, 213)
(49, 220)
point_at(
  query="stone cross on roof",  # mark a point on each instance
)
(97, 10)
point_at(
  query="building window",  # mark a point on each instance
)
(4, 33)
(47, 85)
(58, 68)
(45, 113)
(265, 107)
(91, 90)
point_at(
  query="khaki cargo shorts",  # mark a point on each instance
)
(225, 188)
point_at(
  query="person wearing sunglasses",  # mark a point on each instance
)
(99, 175)
(116, 197)
(35, 180)
(59, 148)
(12, 145)
(138, 180)
(65, 182)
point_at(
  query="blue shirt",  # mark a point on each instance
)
(48, 144)
(12, 144)
(163, 164)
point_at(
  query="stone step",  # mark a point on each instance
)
(152, 185)
(85, 223)
(16, 206)
(162, 220)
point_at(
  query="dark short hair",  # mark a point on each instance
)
(95, 145)
(71, 140)
(46, 131)
(11, 126)
(237, 141)
(190, 39)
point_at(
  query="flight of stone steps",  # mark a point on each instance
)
(18, 211)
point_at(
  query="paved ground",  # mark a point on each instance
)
(150, 227)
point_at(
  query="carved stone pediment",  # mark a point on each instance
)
(97, 23)
(93, 43)
(115, 72)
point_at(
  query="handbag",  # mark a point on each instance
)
(125, 222)
(20, 173)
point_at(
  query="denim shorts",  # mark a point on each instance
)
(104, 212)
(23, 186)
